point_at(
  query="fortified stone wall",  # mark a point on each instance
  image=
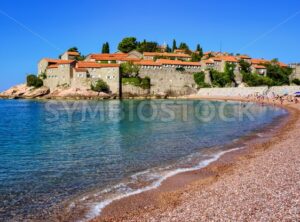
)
(296, 73)
(110, 75)
(130, 90)
(60, 76)
(169, 80)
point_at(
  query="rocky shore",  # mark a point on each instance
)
(23, 91)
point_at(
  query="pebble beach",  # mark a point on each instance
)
(261, 183)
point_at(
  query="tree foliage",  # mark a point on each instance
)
(105, 48)
(296, 82)
(33, 80)
(223, 79)
(128, 44)
(144, 83)
(199, 50)
(279, 75)
(73, 49)
(254, 79)
(129, 69)
(245, 66)
(100, 86)
(146, 46)
(184, 46)
(168, 49)
(174, 46)
(199, 79)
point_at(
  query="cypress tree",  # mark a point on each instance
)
(174, 45)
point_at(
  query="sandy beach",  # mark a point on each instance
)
(258, 183)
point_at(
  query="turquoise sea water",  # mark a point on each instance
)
(58, 152)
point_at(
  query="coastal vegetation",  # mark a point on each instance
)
(296, 82)
(223, 79)
(144, 83)
(129, 69)
(100, 86)
(275, 75)
(199, 78)
(33, 80)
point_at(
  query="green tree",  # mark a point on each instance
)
(254, 79)
(174, 47)
(229, 72)
(296, 82)
(195, 57)
(128, 44)
(245, 66)
(105, 48)
(73, 49)
(279, 75)
(100, 86)
(147, 46)
(184, 46)
(168, 49)
(128, 69)
(33, 80)
(199, 50)
(199, 79)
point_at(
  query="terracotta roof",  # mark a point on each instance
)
(259, 67)
(226, 58)
(129, 59)
(59, 61)
(282, 64)
(208, 61)
(259, 61)
(73, 53)
(244, 57)
(179, 51)
(177, 62)
(107, 57)
(179, 55)
(54, 66)
(148, 63)
(94, 65)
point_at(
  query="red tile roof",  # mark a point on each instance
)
(59, 61)
(259, 61)
(73, 53)
(259, 67)
(165, 54)
(108, 57)
(54, 66)
(177, 62)
(208, 61)
(94, 65)
(148, 63)
(226, 58)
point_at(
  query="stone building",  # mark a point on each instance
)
(296, 70)
(70, 73)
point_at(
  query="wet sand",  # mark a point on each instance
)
(258, 183)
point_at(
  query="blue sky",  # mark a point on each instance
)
(34, 29)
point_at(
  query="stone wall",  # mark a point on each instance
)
(296, 72)
(60, 76)
(165, 80)
(110, 75)
(130, 90)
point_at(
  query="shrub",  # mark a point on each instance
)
(220, 79)
(296, 81)
(253, 79)
(100, 86)
(138, 82)
(199, 79)
(146, 83)
(33, 80)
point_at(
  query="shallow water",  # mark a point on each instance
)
(56, 152)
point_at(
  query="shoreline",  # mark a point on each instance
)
(168, 195)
